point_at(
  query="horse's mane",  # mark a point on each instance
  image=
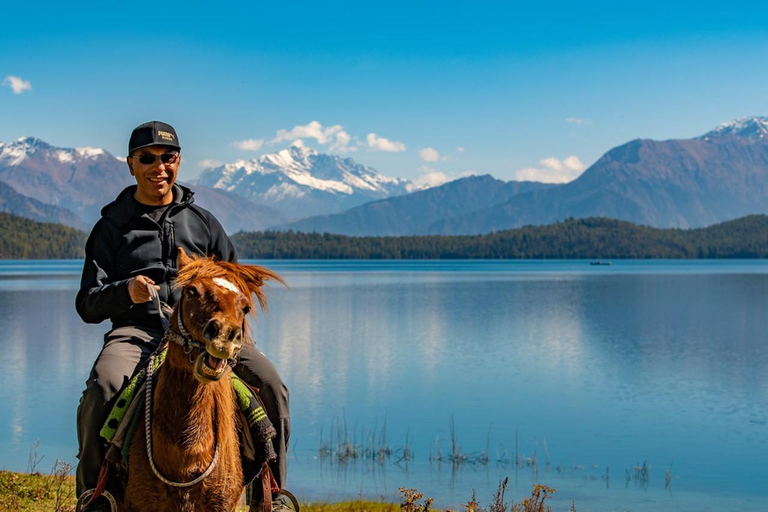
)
(247, 278)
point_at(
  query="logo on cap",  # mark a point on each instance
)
(166, 135)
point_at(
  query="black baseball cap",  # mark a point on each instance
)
(153, 133)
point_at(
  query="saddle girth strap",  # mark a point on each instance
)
(268, 487)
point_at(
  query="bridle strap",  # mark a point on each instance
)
(180, 323)
(183, 338)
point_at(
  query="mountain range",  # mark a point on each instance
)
(716, 177)
(71, 185)
(301, 182)
(23, 206)
(416, 213)
(75, 179)
(719, 176)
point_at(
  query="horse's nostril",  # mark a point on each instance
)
(235, 334)
(211, 330)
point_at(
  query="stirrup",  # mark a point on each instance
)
(282, 492)
(286, 492)
(84, 500)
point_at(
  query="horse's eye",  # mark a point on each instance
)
(246, 310)
(191, 292)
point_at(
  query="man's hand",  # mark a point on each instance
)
(137, 289)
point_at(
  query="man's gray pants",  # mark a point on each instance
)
(125, 348)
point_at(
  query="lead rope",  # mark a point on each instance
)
(161, 307)
(148, 412)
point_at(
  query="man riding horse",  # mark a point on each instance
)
(132, 247)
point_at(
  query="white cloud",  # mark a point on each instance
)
(17, 84)
(313, 130)
(430, 177)
(208, 163)
(573, 163)
(334, 136)
(377, 143)
(434, 178)
(552, 164)
(577, 121)
(429, 155)
(460, 149)
(344, 143)
(552, 170)
(249, 144)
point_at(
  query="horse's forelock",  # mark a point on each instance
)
(246, 278)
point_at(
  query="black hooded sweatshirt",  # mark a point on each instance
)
(126, 242)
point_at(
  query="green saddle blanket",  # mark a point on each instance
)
(128, 410)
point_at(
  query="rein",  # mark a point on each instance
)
(184, 338)
(188, 342)
(148, 432)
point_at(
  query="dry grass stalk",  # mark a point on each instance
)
(412, 501)
(33, 460)
(536, 503)
(60, 486)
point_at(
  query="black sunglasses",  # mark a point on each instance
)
(166, 158)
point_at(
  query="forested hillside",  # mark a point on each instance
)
(594, 238)
(22, 238)
(572, 239)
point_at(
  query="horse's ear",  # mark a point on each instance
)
(183, 258)
(258, 275)
(254, 277)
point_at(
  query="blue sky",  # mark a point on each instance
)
(422, 90)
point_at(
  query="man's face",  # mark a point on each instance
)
(155, 180)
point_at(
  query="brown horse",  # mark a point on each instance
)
(195, 460)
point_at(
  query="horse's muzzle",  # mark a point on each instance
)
(209, 368)
(221, 343)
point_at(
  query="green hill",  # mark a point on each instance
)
(22, 238)
(592, 238)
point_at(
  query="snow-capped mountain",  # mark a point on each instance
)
(77, 179)
(719, 176)
(684, 183)
(80, 181)
(21, 149)
(745, 127)
(301, 182)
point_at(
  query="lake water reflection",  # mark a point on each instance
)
(596, 369)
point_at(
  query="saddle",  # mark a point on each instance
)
(256, 436)
(126, 415)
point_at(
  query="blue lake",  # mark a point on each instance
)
(594, 369)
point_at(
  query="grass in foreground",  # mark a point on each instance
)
(56, 493)
(351, 506)
(23, 491)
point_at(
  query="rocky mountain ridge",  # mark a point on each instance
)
(301, 182)
(415, 213)
(71, 185)
(716, 177)
(719, 176)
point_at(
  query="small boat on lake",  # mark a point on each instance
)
(599, 263)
